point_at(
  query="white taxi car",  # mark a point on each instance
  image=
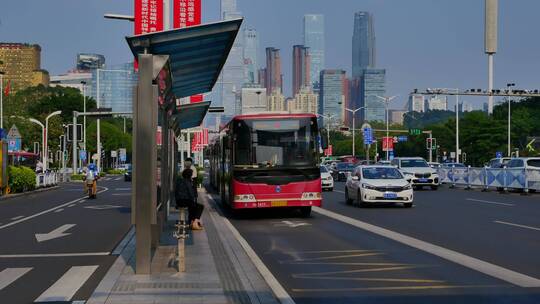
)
(327, 180)
(378, 184)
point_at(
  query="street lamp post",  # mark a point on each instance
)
(386, 101)
(1, 100)
(354, 127)
(508, 86)
(84, 110)
(328, 118)
(45, 143)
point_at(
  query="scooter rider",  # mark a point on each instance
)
(91, 178)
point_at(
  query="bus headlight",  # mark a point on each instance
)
(245, 198)
(311, 195)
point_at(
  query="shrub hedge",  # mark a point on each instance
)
(21, 179)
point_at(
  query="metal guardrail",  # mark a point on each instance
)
(499, 178)
(46, 179)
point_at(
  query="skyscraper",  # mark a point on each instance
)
(363, 43)
(251, 48)
(313, 33)
(373, 84)
(301, 68)
(21, 64)
(116, 85)
(332, 94)
(231, 79)
(273, 81)
(416, 103)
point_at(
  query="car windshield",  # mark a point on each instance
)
(414, 163)
(381, 173)
(533, 163)
(276, 142)
(324, 169)
(345, 166)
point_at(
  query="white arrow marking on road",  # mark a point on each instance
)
(56, 233)
(103, 207)
(291, 224)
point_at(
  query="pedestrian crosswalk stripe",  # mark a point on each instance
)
(10, 275)
(65, 288)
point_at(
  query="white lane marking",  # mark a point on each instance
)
(489, 202)
(48, 210)
(517, 225)
(279, 292)
(56, 233)
(121, 194)
(72, 205)
(122, 189)
(493, 270)
(339, 191)
(59, 210)
(10, 275)
(65, 288)
(52, 255)
(102, 207)
(118, 179)
(17, 217)
(290, 224)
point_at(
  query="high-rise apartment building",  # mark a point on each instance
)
(373, 87)
(301, 69)
(363, 43)
(115, 88)
(305, 101)
(416, 103)
(262, 77)
(251, 49)
(21, 64)
(273, 78)
(313, 34)
(87, 62)
(254, 100)
(437, 102)
(396, 116)
(332, 94)
(276, 102)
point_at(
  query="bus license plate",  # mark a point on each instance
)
(279, 204)
(390, 195)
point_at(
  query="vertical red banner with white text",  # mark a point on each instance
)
(187, 13)
(148, 18)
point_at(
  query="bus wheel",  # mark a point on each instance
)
(305, 211)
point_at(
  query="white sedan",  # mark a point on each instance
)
(378, 184)
(327, 181)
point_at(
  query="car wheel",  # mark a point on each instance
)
(434, 187)
(348, 200)
(407, 205)
(359, 201)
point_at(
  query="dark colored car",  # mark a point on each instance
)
(127, 175)
(341, 171)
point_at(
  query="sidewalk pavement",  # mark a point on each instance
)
(218, 270)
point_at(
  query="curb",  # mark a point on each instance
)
(126, 251)
(11, 196)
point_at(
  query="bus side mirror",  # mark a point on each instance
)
(324, 141)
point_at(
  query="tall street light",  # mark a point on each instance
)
(508, 86)
(83, 83)
(45, 143)
(328, 119)
(37, 122)
(1, 100)
(98, 122)
(354, 127)
(386, 101)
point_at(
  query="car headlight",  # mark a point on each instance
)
(341, 172)
(368, 186)
(407, 187)
(311, 195)
(245, 198)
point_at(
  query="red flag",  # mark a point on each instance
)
(7, 89)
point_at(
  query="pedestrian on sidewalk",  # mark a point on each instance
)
(186, 197)
(188, 164)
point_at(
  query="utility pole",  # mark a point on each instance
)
(490, 42)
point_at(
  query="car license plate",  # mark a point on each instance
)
(279, 204)
(390, 195)
(423, 180)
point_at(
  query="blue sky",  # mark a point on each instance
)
(421, 43)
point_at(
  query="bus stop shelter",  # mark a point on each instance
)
(172, 64)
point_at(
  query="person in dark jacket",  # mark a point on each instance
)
(186, 197)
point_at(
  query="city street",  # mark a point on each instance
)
(60, 243)
(489, 244)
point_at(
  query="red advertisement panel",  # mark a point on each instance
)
(148, 16)
(196, 98)
(388, 144)
(186, 13)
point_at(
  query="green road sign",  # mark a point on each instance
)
(415, 131)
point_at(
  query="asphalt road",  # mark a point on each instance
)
(57, 245)
(346, 257)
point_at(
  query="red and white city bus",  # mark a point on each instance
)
(266, 161)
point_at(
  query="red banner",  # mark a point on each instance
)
(388, 144)
(148, 16)
(186, 13)
(196, 98)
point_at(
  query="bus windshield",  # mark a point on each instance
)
(276, 142)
